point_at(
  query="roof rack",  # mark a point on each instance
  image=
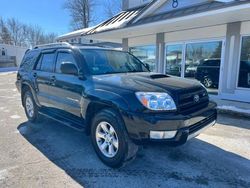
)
(67, 44)
(57, 44)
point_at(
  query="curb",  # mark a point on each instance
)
(232, 112)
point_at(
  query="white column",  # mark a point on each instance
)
(160, 52)
(229, 68)
(125, 44)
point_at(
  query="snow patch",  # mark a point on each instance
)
(234, 108)
(2, 108)
(3, 174)
(15, 117)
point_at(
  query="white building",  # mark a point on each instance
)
(11, 56)
(208, 40)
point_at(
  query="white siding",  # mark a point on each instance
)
(245, 28)
(142, 40)
(196, 34)
(16, 51)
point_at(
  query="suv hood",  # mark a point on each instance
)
(147, 82)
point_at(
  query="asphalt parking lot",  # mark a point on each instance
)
(51, 155)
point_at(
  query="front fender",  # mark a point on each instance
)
(103, 97)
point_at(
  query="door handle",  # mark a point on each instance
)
(52, 80)
(34, 74)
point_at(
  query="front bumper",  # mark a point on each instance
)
(187, 126)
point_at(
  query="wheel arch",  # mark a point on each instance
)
(96, 107)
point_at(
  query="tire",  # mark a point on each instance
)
(31, 109)
(207, 82)
(124, 150)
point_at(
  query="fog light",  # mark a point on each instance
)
(162, 134)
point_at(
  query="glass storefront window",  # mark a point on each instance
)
(244, 71)
(203, 62)
(174, 59)
(147, 54)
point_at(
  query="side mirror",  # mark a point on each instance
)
(69, 68)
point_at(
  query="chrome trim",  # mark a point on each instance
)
(201, 130)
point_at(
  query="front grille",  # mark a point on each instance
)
(187, 104)
(197, 126)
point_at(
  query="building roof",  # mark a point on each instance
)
(134, 17)
(118, 21)
(74, 33)
(203, 7)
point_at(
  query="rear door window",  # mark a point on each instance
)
(47, 62)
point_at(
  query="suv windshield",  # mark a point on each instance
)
(110, 61)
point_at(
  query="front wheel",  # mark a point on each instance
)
(110, 139)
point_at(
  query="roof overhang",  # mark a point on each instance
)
(204, 19)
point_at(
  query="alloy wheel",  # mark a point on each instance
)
(107, 140)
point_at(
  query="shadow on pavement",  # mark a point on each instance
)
(195, 164)
(227, 119)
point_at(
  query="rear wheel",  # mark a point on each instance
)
(31, 109)
(110, 139)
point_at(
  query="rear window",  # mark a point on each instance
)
(29, 60)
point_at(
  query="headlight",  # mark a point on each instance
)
(156, 101)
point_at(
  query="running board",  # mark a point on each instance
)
(63, 120)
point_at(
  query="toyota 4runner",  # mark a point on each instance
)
(113, 97)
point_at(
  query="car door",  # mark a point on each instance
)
(66, 90)
(42, 74)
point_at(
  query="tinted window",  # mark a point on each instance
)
(48, 62)
(63, 57)
(29, 60)
(39, 63)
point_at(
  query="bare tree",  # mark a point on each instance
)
(17, 33)
(80, 12)
(112, 7)
(15, 29)
(4, 33)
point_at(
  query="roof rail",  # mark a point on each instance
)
(88, 44)
(57, 44)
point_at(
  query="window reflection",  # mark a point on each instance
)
(147, 54)
(203, 62)
(244, 72)
(174, 60)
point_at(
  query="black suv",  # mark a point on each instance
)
(113, 97)
(208, 72)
